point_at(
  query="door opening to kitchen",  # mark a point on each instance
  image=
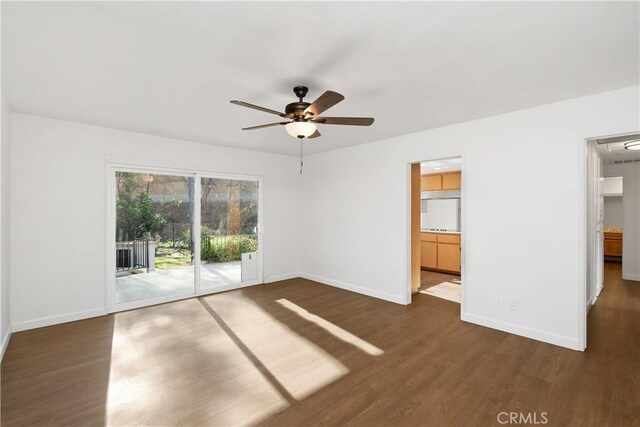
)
(437, 229)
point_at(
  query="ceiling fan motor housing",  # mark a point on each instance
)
(296, 109)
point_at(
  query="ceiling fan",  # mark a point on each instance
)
(304, 117)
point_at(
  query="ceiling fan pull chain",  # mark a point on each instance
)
(301, 158)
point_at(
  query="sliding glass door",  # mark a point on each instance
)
(228, 232)
(181, 234)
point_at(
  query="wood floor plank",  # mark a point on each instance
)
(245, 358)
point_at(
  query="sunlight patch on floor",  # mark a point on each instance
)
(163, 372)
(299, 365)
(445, 290)
(335, 330)
(235, 364)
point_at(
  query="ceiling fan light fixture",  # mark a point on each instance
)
(301, 129)
(632, 145)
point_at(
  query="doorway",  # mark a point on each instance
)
(436, 228)
(612, 214)
(178, 234)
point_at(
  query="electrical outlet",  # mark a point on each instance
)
(513, 304)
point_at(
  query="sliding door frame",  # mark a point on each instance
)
(197, 175)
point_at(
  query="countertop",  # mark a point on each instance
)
(613, 229)
(439, 232)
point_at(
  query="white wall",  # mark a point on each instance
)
(518, 168)
(5, 153)
(354, 208)
(613, 211)
(631, 212)
(58, 210)
(594, 224)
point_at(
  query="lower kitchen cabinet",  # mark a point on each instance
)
(440, 251)
(613, 244)
(428, 254)
(448, 257)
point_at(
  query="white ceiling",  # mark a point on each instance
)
(170, 68)
(615, 151)
(442, 165)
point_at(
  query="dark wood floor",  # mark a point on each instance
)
(299, 353)
(430, 278)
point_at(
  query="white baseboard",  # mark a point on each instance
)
(635, 277)
(357, 289)
(512, 328)
(5, 342)
(55, 320)
(279, 277)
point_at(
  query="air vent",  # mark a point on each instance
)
(626, 161)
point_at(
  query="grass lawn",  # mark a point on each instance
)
(167, 258)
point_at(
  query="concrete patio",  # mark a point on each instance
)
(142, 285)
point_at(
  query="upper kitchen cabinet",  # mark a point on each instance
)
(431, 182)
(612, 186)
(441, 181)
(451, 181)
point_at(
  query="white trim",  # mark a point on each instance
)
(398, 299)
(196, 238)
(149, 302)
(512, 328)
(109, 226)
(592, 303)
(5, 342)
(600, 288)
(230, 287)
(281, 277)
(583, 242)
(635, 277)
(407, 255)
(55, 320)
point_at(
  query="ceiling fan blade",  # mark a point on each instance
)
(257, 107)
(265, 126)
(350, 121)
(324, 102)
(315, 134)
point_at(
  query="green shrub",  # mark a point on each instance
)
(227, 248)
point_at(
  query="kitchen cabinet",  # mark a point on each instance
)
(440, 251)
(451, 181)
(441, 181)
(448, 257)
(429, 254)
(431, 182)
(612, 244)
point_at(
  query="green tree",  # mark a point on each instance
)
(135, 217)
